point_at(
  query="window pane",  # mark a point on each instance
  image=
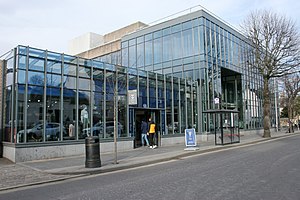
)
(53, 80)
(148, 53)
(167, 48)
(132, 56)
(157, 48)
(177, 48)
(36, 78)
(140, 55)
(36, 64)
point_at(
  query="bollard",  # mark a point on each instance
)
(92, 152)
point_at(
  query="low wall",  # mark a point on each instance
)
(23, 153)
(29, 152)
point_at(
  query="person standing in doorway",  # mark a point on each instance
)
(144, 131)
(151, 133)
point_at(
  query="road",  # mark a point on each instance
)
(267, 171)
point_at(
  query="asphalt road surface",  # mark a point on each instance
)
(267, 171)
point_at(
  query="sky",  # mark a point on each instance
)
(51, 24)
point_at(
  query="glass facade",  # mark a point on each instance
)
(56, 97)
(201, 48)
(176, 70)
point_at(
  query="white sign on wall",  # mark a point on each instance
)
(132, 97)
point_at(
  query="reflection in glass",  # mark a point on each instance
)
(53, 80)
(69, 113)
(36, 78)
(53, 114)
(84, 113)
(36, 64)
(35, 129)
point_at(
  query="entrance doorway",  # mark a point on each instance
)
(139, 116)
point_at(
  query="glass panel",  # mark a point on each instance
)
(36, 64)
(152, 92)
(36, 53)
(98, 80)
(19, 125)
(140, 39)
(196, 41)
(122, 116)
(36, 78)
(124, 44)
(157, 34)
(167, 48)
(176, 28)
(187, 43)
(84, 84)
(132, 42)
(9, 72)
(157, 48)
(53, 56)
(187, 25)
(161, 98)
(148, 37)
(53, 80)
(169, 100)
(69, 82)
(125, 57)
(54, 67)
(202, 41)
(22, 50)
(110, 82)
(132, 82)
(122, 84)
(53, 115)
(167, 31)
(84, 114)
(7, 114)
(142, 100)
(22, 62)
(70, 69)
(132, 56)
(177, 47)
(69, 113)
(35, 126)
(70, 59)
(97, 129)
(176, 124)
(183, 106)
(140, 55)
(84, 72)
(148, 53)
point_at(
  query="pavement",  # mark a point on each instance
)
(17, 175)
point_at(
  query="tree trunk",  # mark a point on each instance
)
(116, 120)
(267, 132)
(290, 115)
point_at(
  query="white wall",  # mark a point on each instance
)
(84, 42)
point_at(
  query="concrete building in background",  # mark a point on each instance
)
(92, 45)
(180, 72)
(84, 42)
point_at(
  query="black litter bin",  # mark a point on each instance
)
(92, 152)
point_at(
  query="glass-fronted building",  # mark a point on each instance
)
(173, 72)
(200, 47)
(57, 99)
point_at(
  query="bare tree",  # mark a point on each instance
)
(292, 89)
(276, 48)
(117, 82)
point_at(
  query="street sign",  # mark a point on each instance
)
(190, 138)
